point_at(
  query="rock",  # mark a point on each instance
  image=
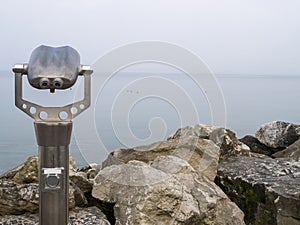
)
(292, 151)
(199, 130)
(201, 154)
(78, 216)
(277, 134)
(256, 146)
(169, 191)
(258, 155)
(28, 173)
(224, 138)
(72, 199)
(266, 189)
(228, 143)
(18, 198)
(22, 198)
(78, 197)
(91, 170)
(172, 164)
(72, 164)
(81, 181)
(91, 215)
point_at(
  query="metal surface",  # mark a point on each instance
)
(53, 140)
(53, 128)
(53, 113)
(53, 67)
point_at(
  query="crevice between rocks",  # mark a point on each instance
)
(105, 207)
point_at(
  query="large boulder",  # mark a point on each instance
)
(201, 154)
(266, 189)
(256, 146)
(277, 134)
(292, 151)
(166, 190)
(224, 138)
(78, 216)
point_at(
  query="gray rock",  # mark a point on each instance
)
(256, 146)
(161, 194)
(224, 138)
(81, 181)
(199, 130)
(79, 196)
(18, 198)
(201, 154)
(258, 155)
(78, 216)
(267, 190)
(277, 134)
(292, 151)
(228, 143)
(23, 198)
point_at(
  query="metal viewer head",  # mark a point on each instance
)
(53, 68)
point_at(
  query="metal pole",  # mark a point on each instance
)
(53, 140)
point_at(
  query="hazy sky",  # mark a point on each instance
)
(232, 36)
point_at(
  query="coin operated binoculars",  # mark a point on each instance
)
(52, 69)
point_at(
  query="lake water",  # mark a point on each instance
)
(250, 100)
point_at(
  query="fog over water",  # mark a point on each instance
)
(250, 101)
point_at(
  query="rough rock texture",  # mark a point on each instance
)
(224, 138)
(201, 154)
(228, 143)
(22, 198)
(91, 170)
(81, 181)
(292, 151)
(199, 130)
(267, 190)
(277, 134)
(18, 198)
(78, 197)
(28, 173)
(169, 191)
(256, 146)
(78, 216)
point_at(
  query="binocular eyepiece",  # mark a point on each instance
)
(53, 67)
(48, 83)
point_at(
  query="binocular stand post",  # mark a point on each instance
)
(53, 140)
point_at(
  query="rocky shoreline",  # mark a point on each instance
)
(200, 175)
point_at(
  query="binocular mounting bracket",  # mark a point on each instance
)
(52, 114)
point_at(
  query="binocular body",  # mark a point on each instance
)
(53, 68)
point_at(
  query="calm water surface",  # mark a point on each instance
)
(251, 100)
